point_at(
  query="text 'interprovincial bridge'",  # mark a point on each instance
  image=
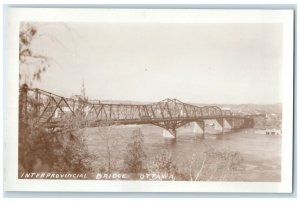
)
(51, 111)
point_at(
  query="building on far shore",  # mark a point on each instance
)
(81, 97)
(273, 131)
(65, 109)
(269, 131)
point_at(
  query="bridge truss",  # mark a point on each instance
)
(50, 110)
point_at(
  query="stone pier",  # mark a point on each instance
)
(169, 134)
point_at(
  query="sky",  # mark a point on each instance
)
(196, 63)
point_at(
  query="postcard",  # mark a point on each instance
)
(149, 100)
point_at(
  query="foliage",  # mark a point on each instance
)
(163, 163)
(135, 154)
(111, 144)
(42, 149)
(213, 165)
(51, 150)
(28, 58)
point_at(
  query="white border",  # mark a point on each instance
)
(16, 15)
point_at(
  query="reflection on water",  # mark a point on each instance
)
(261, 153)
(170, 142)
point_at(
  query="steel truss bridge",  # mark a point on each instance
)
(51, 111)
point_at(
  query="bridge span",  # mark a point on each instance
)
(52, 111)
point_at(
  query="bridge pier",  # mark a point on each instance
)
(221, 123)
(237, 123)
(228, 123)
(170, 133)
(199, 127)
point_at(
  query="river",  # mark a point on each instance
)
(261, 153)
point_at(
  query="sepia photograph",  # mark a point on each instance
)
(168, 101)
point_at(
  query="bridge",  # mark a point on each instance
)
(51, 111)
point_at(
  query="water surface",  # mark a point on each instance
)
(261, 153)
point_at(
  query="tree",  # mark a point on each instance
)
(213, 165)
(28, 58)
(42, 149)
(163, 163)
(111, 142)
(135, 154)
